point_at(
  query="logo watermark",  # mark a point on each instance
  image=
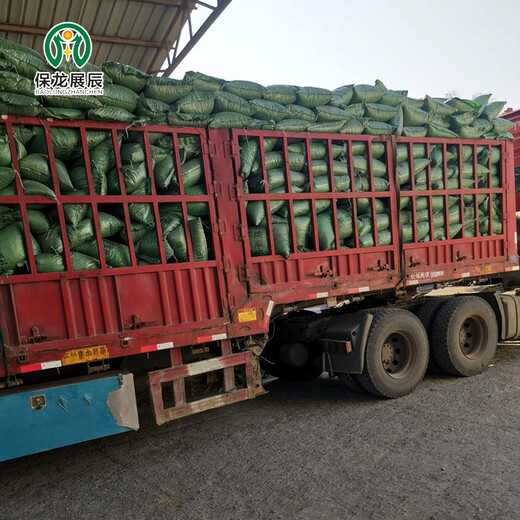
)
(70, 43)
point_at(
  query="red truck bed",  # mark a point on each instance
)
(136, 309)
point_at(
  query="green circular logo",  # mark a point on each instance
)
(70, 41)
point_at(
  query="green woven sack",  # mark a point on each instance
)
(167, 90)
(139, 230)
(66, 142)
(12, 248)
(7, 176)
(311, 97)
(276, 160)
(326, 235)
(292, 125)
(82, 262)
(342, 96)
(24, 61)
(275, 179)
(327, 114)
(419, 152)
(361, 166)
(230, 120)
(299, 112)
(148, 107)
(380, 112)
(50, 241)
(78, 176)
(12, 82)
(164, 173)
(384, 238)
(353, 126)
(318, 149)
(439, 120)
(367, 94)
(303, 207)
(440, 132)
(125, 75)
(460, 120)
(326, 128)
(258, 240)
(436, 107)
(413, 116)
(109, 113)
(394, 98)
(247, 90)
(36, 166)
(414, 131)
(22, 133)
(37, 189)
(49, 263)
(470, 132)
(119, 96)
(75, 213)
(320, 167)
(74, 114)
(463, 105)
(365, 223)
(76, 102)
(362, 184)
(269, 110)
(502, 125)
(228, 102)
(493, 109)
(484, 124)
(341, 184)
(134, 175)
(194, 102)
(282, 94)
(355, 110)
(202, 82)
(19, 105)
(249, 152)
(379, 128)
(364, 206)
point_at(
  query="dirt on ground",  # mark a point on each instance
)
(450, 450)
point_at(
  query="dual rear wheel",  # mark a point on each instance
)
(460, 336)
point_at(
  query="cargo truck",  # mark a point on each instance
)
(203, 332)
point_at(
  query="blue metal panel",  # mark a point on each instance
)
(70, 413)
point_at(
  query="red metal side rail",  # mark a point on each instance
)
(320, 274)
(126, 310)
(514, 117)
(452, 259)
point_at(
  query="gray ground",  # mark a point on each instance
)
(449, 450)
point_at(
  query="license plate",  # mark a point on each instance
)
(83, 355)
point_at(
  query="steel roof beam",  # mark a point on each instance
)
(217, 11)
(38, 31)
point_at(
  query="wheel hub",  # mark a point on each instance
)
(472, 337)
(396, 355)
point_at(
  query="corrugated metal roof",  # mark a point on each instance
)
(136, 32)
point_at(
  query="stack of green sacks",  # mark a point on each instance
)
(299, 169)
(135, 98)
(43, 219)
(487, 175)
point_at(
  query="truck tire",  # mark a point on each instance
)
(396, 354)
(465, 336)
(426, 313)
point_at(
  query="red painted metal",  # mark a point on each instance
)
(128, 309)
(346, 270)
(514, 117)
